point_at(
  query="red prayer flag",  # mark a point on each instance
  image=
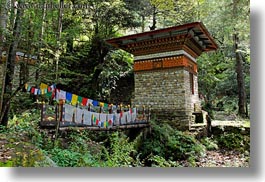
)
(110, 122)
(32, 90)
(84, 101)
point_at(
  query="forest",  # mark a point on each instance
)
(63, 42)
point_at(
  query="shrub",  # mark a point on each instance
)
(209, 143)
(234, 141)
(170, 144)
(121, 152)
(68, 158)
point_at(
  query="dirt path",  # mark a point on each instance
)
(222, 158)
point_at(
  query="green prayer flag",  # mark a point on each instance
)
(48, 94)
(79, 99)
(106, 105)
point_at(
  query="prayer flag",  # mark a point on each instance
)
(53, 94)
(87, 117)
(94, 119)
(43, 86)
(78, 115)
(60, 94)
(110, 122)
(95, 103)
(29, 88)
(101, 104)
(53, 86)
(84, 101)
(89, 101)
(106, 105)
(32, 90)
(74, 99)
(69, 112)
(36, 91)
(79, 99)
(49, 94)
(68, 97)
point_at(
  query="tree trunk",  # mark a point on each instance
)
(153, 27)
(10, 67)
(240, 78)
(60, 18)
(3, 21)
(143, 23)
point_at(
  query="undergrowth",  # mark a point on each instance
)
(163, 146)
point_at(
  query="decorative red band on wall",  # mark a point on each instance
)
(164, 63)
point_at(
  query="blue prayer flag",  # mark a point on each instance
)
(68, 96)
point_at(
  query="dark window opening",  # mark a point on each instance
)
(191, 83)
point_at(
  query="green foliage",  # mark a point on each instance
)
(70, 158)
(171, 145)
(121, 151)
(8, 163)
(218, 79)
(158, 161)
(209, 143)
(234, 141)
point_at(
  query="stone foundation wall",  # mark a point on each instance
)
(168, 93)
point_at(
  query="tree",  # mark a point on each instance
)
(10, 65)
(87, 61)
(229, 66)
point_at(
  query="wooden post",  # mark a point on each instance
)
(57, 122)
(43, 109)
(149, 114)
(143, 112)
(88, 107)
(110, 109)
(61, 103)
(120, 114)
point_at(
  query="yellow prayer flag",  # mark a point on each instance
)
(74, 99)
(43, 86)
(101, 104)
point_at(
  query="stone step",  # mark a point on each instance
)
(197, 127)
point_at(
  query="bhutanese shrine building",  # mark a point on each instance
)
(166, 72)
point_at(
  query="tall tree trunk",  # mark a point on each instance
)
(10, 67)
(39, 58)
(60, 18)
(3, 21)
(143, 23)
(240, 79)
(239, 67)
(153, 27)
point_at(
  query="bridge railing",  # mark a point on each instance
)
(67, 115)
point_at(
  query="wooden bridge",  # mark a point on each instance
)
(65, 116)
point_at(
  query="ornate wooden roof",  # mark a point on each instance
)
(193, 38)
